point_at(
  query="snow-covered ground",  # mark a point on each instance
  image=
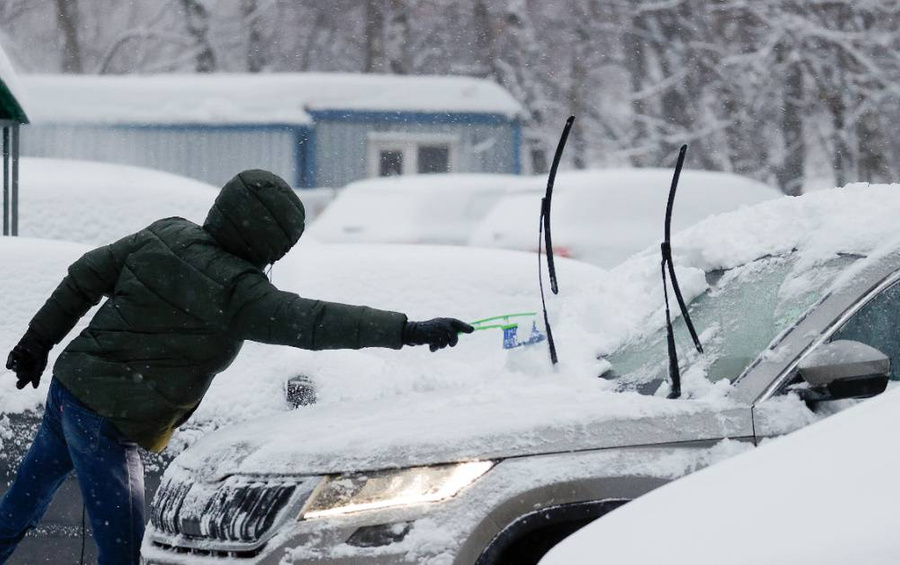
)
(826, 494)
(603, 216)
(437, 208)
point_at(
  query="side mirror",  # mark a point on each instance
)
(844, 369)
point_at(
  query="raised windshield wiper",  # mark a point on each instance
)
(544, 235)
(667, 265)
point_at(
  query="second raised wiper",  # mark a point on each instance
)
(668, 267)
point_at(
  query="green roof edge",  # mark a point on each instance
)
(10, 109)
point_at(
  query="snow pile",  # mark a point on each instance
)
(98, 203)
(283, 98)
(604, 216)
(441, 208)
(777, 504)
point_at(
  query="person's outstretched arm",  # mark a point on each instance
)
(89, 279)
(269, 315)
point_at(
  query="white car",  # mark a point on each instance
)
(605, 216)
(435, 208)
(487, 456)
(97, 203)
(826, 494)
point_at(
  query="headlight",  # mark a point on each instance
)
(386, 489)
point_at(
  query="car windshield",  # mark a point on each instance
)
(738, 316)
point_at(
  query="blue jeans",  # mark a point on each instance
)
(109, 470)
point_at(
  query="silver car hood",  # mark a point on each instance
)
(428, 429)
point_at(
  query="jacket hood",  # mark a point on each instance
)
(257, 216)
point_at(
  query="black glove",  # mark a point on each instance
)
(437, 333)
(28, 359)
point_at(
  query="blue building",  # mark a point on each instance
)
(315, 129)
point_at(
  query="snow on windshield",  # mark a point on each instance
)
(744, 309)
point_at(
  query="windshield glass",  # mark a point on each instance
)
(739, 315)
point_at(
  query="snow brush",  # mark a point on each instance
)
(510, 326)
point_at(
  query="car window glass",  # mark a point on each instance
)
(878, 324)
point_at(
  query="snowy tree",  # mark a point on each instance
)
(250, 17)
(68, 22)
(197, 21)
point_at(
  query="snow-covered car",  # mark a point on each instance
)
(826, 494)
(477, 457)
(429, 208)
(605, 216)
(97, 203)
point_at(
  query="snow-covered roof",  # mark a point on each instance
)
(286, 98)
(10, 98)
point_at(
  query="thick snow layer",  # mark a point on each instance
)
(10, 79)
(284, 98)
(442, 208)
(826, 494)
(98, 203)
(604, 216)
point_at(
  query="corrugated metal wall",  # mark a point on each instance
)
(341, 147)
(211, 154)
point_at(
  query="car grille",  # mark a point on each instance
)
(238, 509)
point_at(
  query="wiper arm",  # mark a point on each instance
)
(668, 266)
(545, 238)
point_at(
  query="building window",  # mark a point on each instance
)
(391, 163)
(405, 154)
(434, 159)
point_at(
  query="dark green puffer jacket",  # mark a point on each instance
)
(182, 299)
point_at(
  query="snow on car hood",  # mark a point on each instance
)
(538, 416)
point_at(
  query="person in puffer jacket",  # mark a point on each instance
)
(181, 300)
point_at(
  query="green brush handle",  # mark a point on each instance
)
(505, 317)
